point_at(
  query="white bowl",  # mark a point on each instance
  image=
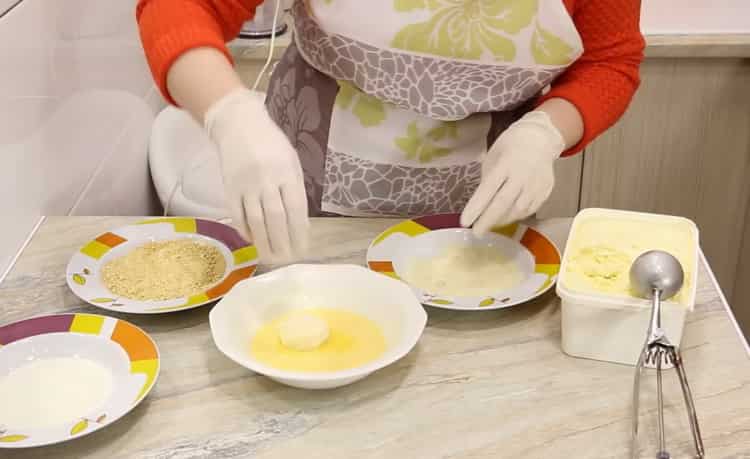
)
(254, 302)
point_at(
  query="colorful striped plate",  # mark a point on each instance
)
(392, 252)
(85, 265)
(119, 346)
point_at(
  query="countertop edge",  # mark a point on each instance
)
(4, 271)
(724, 302)
(698, 45)
(657, 46)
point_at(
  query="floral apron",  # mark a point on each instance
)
(391, 104)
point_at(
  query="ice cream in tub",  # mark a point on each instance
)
(601, 317)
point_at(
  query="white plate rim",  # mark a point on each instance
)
(544, 252)
(90, 325)
(241, 260)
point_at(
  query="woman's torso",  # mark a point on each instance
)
(392, 103)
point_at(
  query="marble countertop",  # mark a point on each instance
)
(479, 385)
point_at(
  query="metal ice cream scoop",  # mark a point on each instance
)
(656, 273)
(659, 276)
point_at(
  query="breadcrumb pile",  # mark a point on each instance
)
(164, 270)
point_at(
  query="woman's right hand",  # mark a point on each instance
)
(262, 176)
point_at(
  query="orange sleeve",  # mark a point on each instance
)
(168, 28)
(602, 81)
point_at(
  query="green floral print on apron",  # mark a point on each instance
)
(392, 104)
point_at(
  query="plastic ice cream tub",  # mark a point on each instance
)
(601, 318)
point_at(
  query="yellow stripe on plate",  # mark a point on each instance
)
(181, 225)
(507, 231)
(191, 301)
(197, 299)
(147, 367)
(87, 323)
(95, 249)
(408, 227)
(548, 269)
(245, 254)
(551, 270)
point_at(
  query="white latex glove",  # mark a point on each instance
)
(517, 174)
(262, 176)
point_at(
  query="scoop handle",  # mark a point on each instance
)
(692, 415)
(655, 314)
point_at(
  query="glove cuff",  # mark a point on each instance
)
(539, 125)
(232, 108)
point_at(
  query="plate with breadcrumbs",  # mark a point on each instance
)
(161, 265)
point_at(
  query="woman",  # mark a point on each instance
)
(397, 107)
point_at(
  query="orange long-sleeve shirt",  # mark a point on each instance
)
(600, 83)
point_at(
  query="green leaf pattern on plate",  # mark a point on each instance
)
(79, 427)
(113, 302)
(439, 301)
(84, 423)
(486, 302)
(12, 438)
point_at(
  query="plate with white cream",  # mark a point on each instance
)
(67, 375)
(448, 267)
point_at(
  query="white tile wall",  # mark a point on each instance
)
(695, 17)
(76, 107)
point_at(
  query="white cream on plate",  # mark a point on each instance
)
(48, 392)
(467, 271)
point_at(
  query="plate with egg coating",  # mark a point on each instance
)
(161, 265)
(448, 267)
(64, 376)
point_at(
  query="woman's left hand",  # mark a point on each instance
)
(517, 174)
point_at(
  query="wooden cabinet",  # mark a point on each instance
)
(566, 197)
(740, 299)
(683, 148)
